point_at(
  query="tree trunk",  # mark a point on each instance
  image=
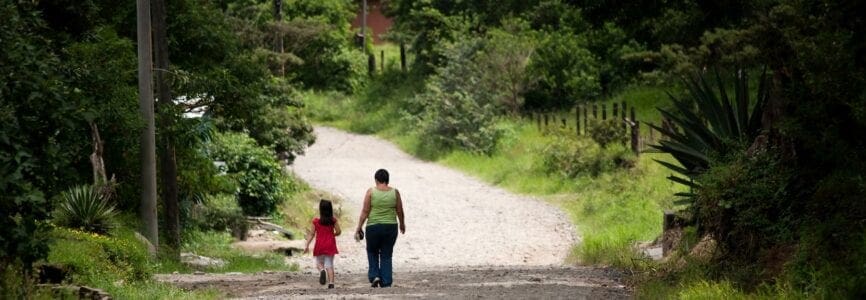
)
(168, 163)
(148, 143)
(278, 34)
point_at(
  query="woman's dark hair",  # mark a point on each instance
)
(326, 213)
(381, 176)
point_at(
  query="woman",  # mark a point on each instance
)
(382, 209)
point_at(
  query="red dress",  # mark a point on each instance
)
(326, 243)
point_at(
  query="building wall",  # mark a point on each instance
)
(377, 21)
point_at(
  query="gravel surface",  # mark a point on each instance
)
(464, 238)
(451, 219)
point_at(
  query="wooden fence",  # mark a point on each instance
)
(640, 135)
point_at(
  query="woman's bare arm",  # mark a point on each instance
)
(400, 212)
(365, 211)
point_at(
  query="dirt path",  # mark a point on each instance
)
(464, 238)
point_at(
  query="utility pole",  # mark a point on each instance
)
(150, 228)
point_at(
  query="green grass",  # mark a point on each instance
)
(218, 245)
(117, 263)
(612, 211)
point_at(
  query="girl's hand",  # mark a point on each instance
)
(307, 250)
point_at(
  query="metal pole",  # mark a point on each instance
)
(148, 135)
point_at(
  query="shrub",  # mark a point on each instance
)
(720, 125)
(84, 207)
(254, 168)
(743, 203)
(571, 155)
(607, 131)
(218, 212)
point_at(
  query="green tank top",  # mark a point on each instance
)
(383, 207)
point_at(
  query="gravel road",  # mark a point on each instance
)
(464, 238)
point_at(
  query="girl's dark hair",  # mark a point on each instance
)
(381, 176)
(326, 213)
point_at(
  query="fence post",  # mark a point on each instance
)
(616, 110)
(577, 115)
(537, 118)
(382, 62)
(594, 111)
(585, 120)
(545, 121)
(371, 64)
(603, 112)
(402, 57)
(667, 224)
(635, 138)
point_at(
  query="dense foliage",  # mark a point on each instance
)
(68, 72)
(255, 170)
(796, 154)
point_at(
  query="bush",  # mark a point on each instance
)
(84, 207)
(743, 203)
(254, 168)
(607, 131)
(218, 212)
(571, 155)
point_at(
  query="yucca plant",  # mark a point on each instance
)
(709, 121)
(84, 207)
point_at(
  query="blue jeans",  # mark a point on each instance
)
(380, 247)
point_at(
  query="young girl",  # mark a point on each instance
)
(325, 229)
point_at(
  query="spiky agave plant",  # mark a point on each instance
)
(83, 207)
(709, 121)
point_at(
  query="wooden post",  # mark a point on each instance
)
(537, 120)
(545, 121)
(624, 113)
(635, 138)
(371, 64)
(577, 117)
(603, 112)
(585, 120)
(402, 57)
(667, 225)
(382, 62)
(635, 134)
(595, 111)
(616, 110)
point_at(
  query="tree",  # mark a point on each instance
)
(504, 61)
(168, 160)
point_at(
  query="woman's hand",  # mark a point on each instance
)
(402, 228)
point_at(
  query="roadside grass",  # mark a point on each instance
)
(218, 245)
(117, 263)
